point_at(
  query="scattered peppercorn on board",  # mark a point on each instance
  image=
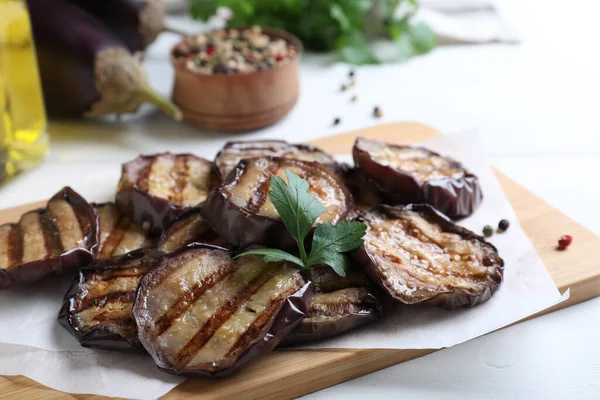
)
(289, 374)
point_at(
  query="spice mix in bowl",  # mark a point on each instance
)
(236, 79)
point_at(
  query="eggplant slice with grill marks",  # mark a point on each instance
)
(338, 305)
(63, 236)
(190, 228)
(234, 152)
(240, 210)
(158, 189)
(118, 233)
(97, 306)
(365, 194)
(408, 174)
(418, 255)
(201, 313)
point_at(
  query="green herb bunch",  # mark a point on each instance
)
(299, 210)
(346, 26)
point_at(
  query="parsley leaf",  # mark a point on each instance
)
(274, 255)
(299, 210)
(297, 207)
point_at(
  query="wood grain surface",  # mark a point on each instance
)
(289, 374)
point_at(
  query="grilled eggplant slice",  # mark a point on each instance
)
(338, 305)
(418, 255)
(240, 210)
(63, 236)
(158, 189)
(234, 152)
(191, 228)
(97, 306)
(118, 234)
(416, 175)
(201, 313)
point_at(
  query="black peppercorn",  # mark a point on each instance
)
(503, 225)
(336, 121)
(351, 73)
(220, 69)
(377, 112)
(488, 231)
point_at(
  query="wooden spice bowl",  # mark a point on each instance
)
(241, 101)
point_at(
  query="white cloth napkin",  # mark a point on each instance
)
(466, 21)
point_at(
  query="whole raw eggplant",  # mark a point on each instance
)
(136, 22)
(85, 69)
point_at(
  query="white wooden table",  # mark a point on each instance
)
(537, 107)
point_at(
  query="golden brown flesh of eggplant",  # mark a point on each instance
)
(338, 305)
(97, 306)
(234, 152)
(240, 210)
(200, 312)
(406, 174)
(191, 228)
(418, 255)
(60, 237)
(118, 234)
(158, 189)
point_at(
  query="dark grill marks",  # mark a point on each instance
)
(216, 320)
(257, 326)
(83, 223)
(51, 236)
(143, 178)
(181, 172)
(114, 238)
(187, 299)
(260, 193)
(15, 247)
(101, 301)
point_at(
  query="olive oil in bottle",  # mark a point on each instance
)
(23, 136)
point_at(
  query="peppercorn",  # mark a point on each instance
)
(336, 121)
(220, 69)
(564, 242)
(351, 73)
(354, 98)
(377, 112)
(503, 225)
(488, 231)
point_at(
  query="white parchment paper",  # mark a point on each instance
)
(33, 344)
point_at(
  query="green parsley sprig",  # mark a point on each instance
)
(349, 27)
(299, 210)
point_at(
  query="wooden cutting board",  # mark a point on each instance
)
(289, 374)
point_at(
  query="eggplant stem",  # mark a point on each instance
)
(149, 95)
(174, 30)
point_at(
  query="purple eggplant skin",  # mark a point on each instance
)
(320, 325)
(68, 259)
(144, 208)
(84, 68)
(455, 197)
(451, 299)
(242, 227)
(136, 22)
(309, 331)
(233, 152)
(288, 316)
(101, 336)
